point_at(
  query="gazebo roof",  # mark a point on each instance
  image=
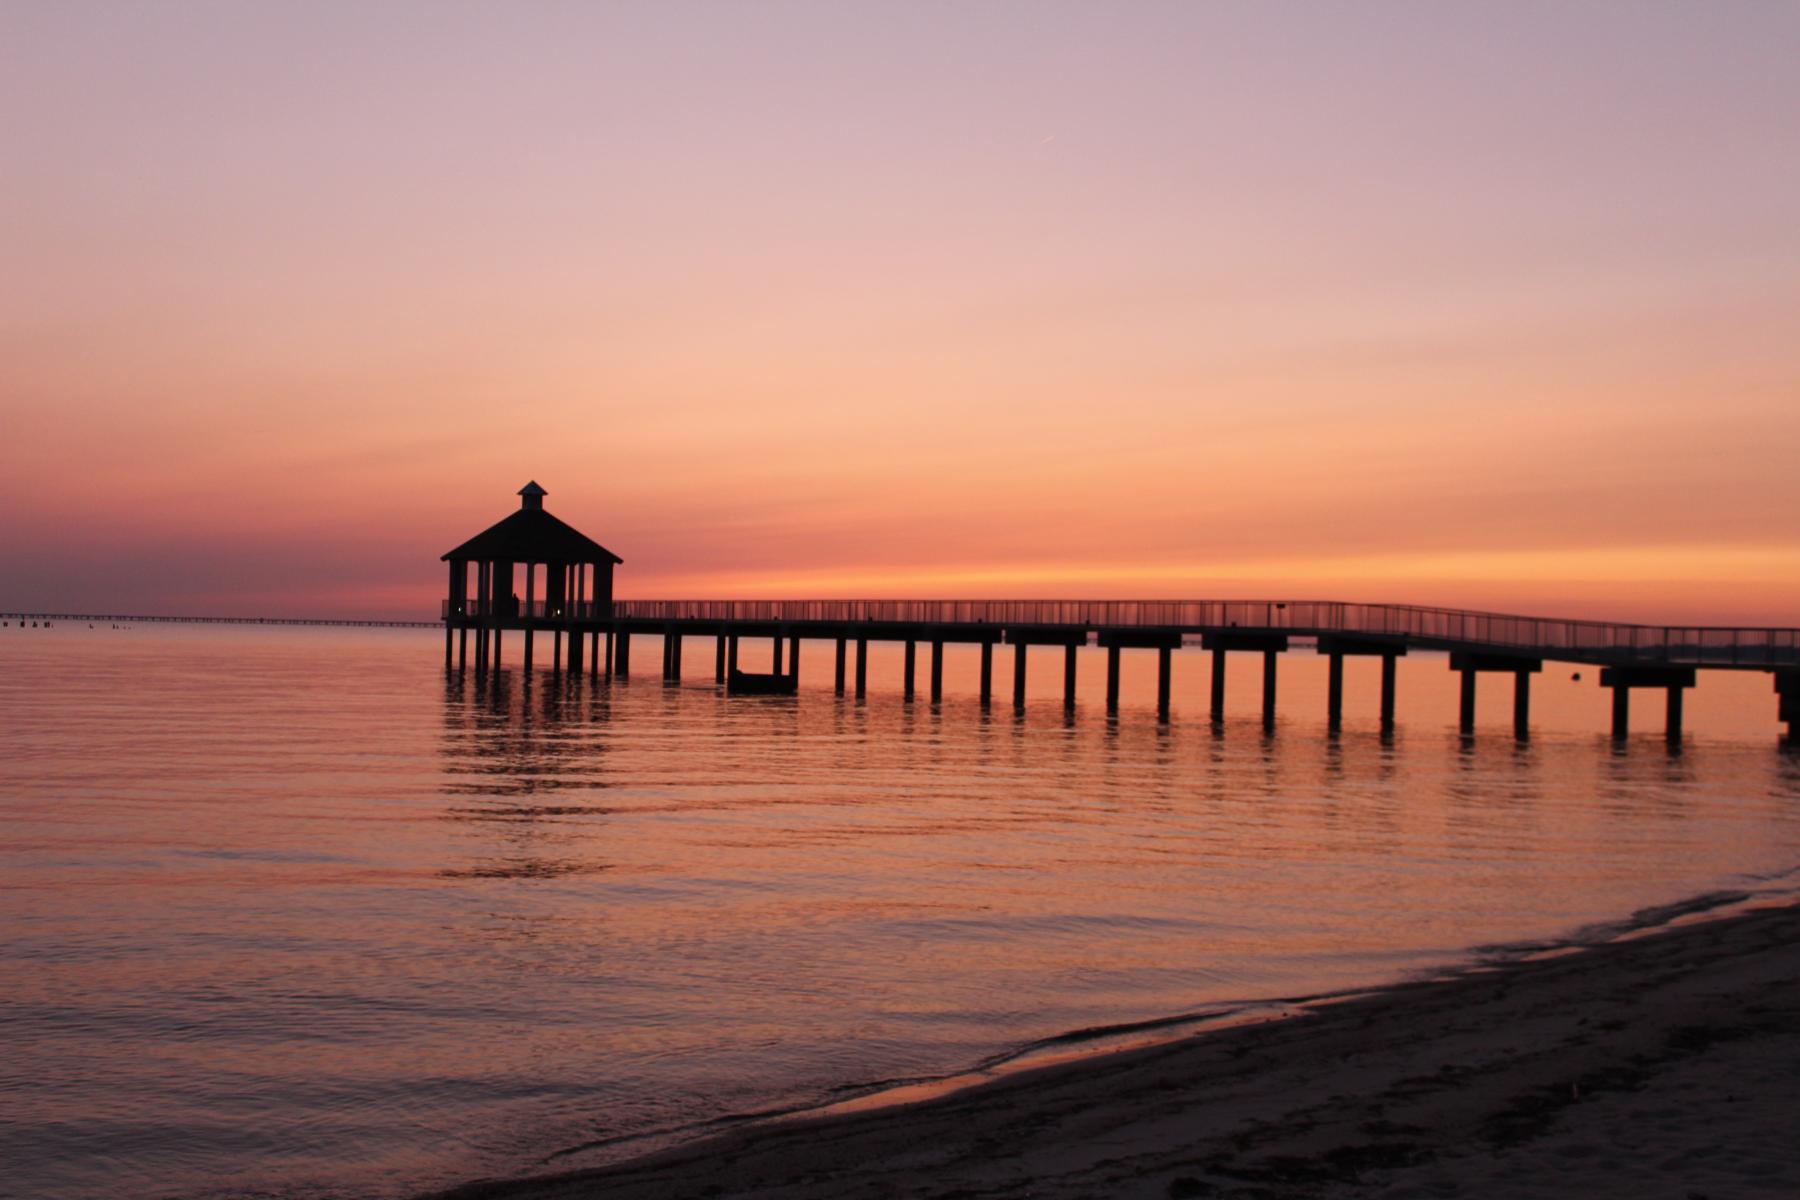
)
(532, 535)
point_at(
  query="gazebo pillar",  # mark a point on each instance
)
(462, 614)
(571, 615)
(451, 607)
(481, 617)
(500, 579)
(530, 597)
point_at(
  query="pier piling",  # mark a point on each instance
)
(1387, 692)
(1270, 658)
(1622, 679)
(1787, 693)
(1334, 694)
(1165, 671)
(1218, 687)
(1471, 663)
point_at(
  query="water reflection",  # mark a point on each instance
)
(514, 751)
(308, 894)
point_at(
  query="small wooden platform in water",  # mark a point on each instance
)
(746, 683)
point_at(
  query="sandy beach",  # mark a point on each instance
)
(1666, 1064)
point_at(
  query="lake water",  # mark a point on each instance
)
(287, 912)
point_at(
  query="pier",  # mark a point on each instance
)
(577, 610)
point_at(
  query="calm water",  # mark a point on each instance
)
(283, 912)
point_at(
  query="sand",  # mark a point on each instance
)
(1667, 1065)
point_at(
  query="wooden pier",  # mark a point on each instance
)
(577, 608)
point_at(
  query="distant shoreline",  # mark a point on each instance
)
(1660, 1061)
(358, 622)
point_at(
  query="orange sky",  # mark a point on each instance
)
(1479, 305)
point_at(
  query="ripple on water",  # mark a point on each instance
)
(287, 911)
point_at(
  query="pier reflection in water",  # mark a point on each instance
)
(289, 911)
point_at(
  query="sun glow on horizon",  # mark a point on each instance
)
(1332, 303)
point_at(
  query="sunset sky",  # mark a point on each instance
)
(1493, 305)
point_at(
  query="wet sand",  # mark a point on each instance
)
(1666, 1065)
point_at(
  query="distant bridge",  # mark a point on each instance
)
(138, 617)
(1630, 655)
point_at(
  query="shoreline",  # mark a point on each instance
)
(1665, 1061)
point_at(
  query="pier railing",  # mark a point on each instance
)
(1597, 641)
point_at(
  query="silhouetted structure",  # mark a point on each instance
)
(577, 583)
(1632, 656)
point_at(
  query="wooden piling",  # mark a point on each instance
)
(1387, 691)
(1334, 694)
(1165, 671)
(1218, 687)
(1270, 658)
(1522, 705)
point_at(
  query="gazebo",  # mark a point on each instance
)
(576, 585)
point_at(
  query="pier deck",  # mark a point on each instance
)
(1633, 655)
